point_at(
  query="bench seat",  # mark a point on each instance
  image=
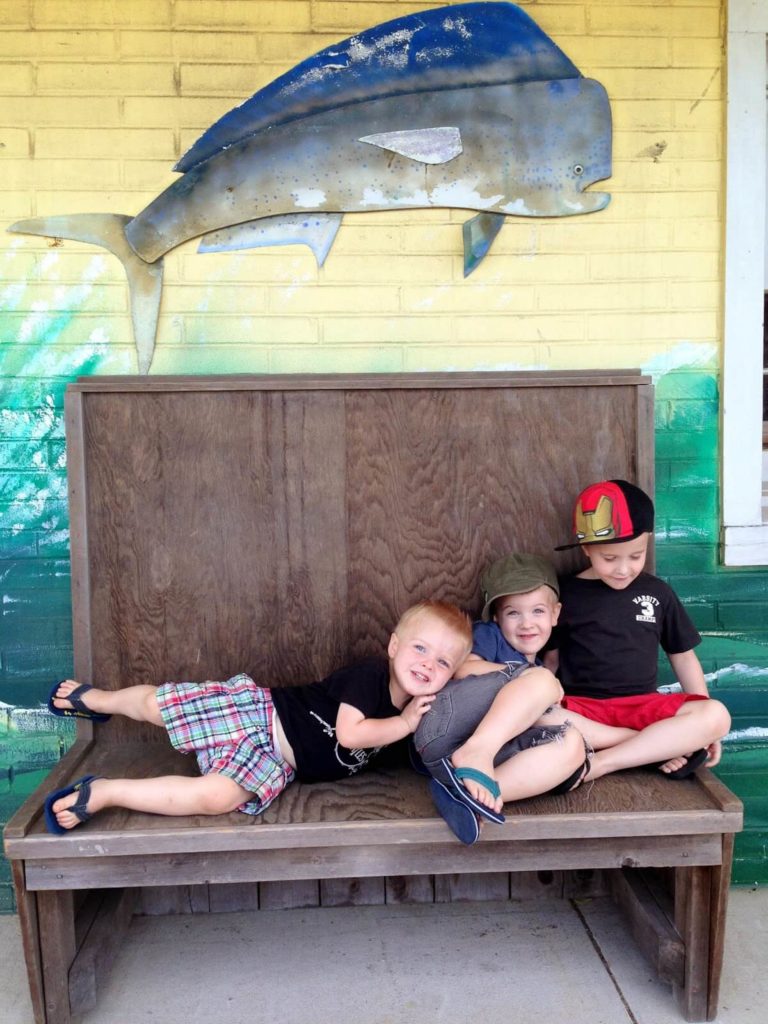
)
(630, 817)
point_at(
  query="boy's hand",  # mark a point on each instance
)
(414, 709)
(715, 751)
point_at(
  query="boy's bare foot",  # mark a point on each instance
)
(468, 756)
(80, 804)
(81, 699)
(687, 764)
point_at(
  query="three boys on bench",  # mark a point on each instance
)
(511, 731)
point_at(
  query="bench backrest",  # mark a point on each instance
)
(279, 525)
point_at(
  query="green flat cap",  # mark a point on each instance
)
(516, 574)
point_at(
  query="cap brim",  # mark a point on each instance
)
(600, 543)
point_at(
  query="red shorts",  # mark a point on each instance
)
(630, 712)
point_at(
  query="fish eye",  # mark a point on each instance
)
(578, 169)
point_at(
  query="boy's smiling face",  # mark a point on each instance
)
(423, 655)
(526, 620)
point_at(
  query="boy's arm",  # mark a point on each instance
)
(354, 730)
(477, 666)
(688, 672)
(690, 675)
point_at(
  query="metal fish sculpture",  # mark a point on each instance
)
(470, 107)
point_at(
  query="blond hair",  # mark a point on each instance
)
(448, 614)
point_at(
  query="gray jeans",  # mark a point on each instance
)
(456, 712)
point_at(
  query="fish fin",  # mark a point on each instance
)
(145, 280)
(317, 230)
(427, 145)
(479, 233)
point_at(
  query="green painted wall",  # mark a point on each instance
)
(35, 624)
(727, 605)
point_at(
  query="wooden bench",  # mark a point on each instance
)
(278, 525)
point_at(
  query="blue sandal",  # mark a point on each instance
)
(78, 709)
(694, 761)
(459, 818)
(79, 808)
(461, 793)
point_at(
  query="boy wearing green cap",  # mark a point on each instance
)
(479, 741)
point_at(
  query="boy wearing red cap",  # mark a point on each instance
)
(614, 618)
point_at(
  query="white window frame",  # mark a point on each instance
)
(745, 534)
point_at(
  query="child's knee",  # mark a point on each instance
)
(574, 746)
(572, 760)
(568, 747)
(152, 712)
(713, 714)
(219, 794)
(548, 685)
(721, 717)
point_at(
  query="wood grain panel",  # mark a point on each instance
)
(282, 532)
(213, 541)
(447, 481)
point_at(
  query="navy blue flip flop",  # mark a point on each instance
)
(460, 791)
(459, 818)
(80, 807)
(694, 761)
(78, 709)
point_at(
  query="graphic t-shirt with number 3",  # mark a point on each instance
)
(608, 640)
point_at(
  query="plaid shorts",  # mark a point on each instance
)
(228, 727)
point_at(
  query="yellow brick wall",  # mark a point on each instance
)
(98, 98)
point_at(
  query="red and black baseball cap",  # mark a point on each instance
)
(609, 512)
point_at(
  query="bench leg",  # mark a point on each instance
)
(721, 882)
(102, 924)
(56, 912)
(692, 918)
(701, 901)
(26, 904)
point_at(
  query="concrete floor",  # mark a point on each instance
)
(545, 961)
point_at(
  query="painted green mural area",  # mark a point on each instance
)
(44, 344)
(34, 540)
(40, 352)
(728, 605)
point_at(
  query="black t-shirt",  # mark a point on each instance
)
(608, 640)
(308, 716)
